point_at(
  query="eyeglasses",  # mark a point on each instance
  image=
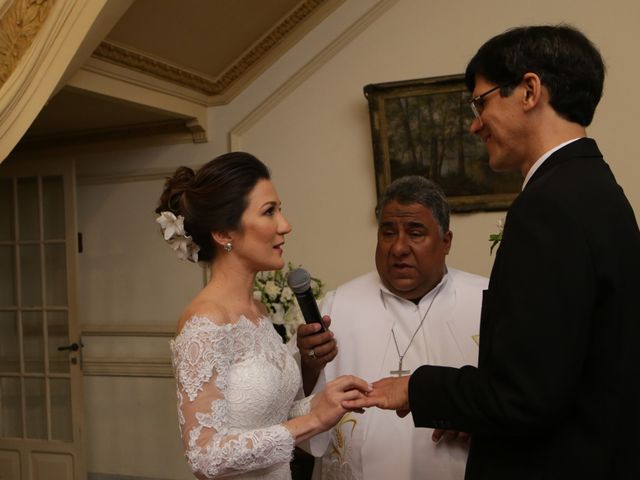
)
(477, 102)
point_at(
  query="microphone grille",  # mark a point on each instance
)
(299, 280)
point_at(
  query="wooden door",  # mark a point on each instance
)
(40, 345)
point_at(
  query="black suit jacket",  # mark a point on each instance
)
(556, 393)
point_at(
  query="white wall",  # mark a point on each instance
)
(307, 118)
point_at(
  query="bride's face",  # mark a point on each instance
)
(260, 239)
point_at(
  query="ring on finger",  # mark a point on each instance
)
(312, 354)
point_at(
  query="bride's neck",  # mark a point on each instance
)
(233, 282)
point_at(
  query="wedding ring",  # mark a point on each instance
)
(312, 354)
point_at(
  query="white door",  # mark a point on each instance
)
(40, 345)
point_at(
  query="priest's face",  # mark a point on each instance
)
(411, 250)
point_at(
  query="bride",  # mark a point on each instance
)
(236, 381)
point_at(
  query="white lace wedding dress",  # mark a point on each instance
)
(236, 386)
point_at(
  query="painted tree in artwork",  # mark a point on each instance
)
(429, 135)
(426, 134)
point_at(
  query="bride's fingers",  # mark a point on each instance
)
(348, 382)
(363, 402)
(351, 395)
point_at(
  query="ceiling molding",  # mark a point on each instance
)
(127, 89)
(43, 65)
(19, 26)
(113, 53)
(120, 55)
(148, 82)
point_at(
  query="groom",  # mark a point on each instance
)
(556, 394)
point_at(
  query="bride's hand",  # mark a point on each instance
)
(326, 406)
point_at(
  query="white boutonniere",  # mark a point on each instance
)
(496, 238)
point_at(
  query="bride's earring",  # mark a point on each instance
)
(227, 247)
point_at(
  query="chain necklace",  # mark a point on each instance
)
(399, 372)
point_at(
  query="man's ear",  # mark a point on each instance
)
(532, 91)
(447, 238)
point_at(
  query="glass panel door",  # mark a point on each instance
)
(39, 382)
(33, 316)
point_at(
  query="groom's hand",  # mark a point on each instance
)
(391, 393)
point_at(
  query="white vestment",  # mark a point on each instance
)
(378, 444)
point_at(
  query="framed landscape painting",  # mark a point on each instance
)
(421, 127)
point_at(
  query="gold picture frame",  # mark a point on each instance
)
(421, 127)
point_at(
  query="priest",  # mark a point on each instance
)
(413, 310)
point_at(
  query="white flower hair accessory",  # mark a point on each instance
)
(175, 235)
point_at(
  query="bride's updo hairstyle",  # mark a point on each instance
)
(214, 198)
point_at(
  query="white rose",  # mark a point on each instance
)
(286, 294)
(278, 316)
(271, 289)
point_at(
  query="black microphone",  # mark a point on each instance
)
(299, 281)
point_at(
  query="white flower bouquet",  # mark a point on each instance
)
(272, 290)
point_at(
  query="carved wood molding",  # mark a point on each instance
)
(60, 33)
(210, 86)
(18, 27)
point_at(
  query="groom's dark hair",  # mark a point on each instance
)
(566, 61)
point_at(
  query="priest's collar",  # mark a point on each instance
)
(384, 292)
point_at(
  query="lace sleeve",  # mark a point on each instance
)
(300, 407)
(202, 356)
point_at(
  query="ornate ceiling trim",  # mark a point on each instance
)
(51, 32)
(122, 56)
(19, 26)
